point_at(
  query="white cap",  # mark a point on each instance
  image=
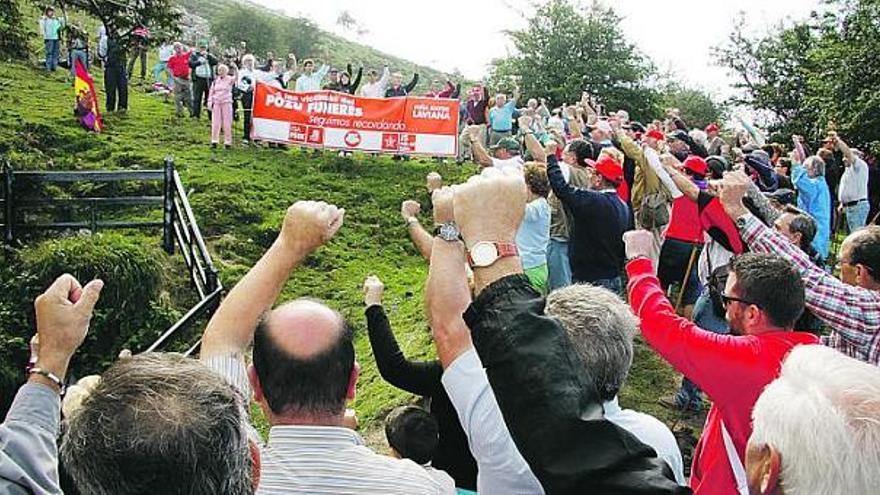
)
(603, 126)
(623, 115)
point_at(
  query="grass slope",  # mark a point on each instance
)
(239, 198)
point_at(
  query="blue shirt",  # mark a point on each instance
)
(815, 199)
(501, 119)
(534, 234)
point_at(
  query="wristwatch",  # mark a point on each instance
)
(448, 232)
(484, 253)
(741, 221)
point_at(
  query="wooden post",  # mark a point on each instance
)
(168, 215)
(9, 207)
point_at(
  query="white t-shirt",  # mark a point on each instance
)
(854, 182)
(515, 161)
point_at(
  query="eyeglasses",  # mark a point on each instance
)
(725, 300)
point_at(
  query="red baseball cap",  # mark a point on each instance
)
(654, 133)
(711, 128)
(609, 168)
(696, 165)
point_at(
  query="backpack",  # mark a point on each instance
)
(653, 211)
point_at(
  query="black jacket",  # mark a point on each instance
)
(550, 404)
(423, 378)
(194, 62)
(597, 223)
(392, 92)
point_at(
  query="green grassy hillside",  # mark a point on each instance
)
(239, 198)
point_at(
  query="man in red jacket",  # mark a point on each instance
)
(764, 296)
(178, 64)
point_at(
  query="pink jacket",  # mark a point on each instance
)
(221, 91)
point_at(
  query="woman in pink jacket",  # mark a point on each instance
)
(220, 103)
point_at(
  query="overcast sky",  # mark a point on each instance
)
(678, 35)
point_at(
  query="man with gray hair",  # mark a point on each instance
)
(814, 197)
(601, 328)
(834, 398)
(160, 423)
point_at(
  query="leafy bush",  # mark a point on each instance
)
(130, 314)
(13, 37)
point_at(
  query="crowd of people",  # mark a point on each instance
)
(720, 247)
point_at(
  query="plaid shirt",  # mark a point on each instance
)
(853, 313)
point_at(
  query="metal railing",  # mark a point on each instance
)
(179, 227)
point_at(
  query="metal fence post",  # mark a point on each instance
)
(168, 216)
(9, 207)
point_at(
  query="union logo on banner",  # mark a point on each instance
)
(407, 143)
(352, 139)
(316, 136)
(298, 133)
(390, 142)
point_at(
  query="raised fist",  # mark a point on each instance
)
(638, 243)
(410, 209)
(309, 224)
(433, 181)
(490, 206)
(374, 289)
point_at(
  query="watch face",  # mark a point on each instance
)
(484, 254)
(448, 232)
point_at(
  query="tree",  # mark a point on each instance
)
(568, 48)
(300, 36)
(239, 23)
(122, 17)
(698, 108)
(815, 75)
(13, 37)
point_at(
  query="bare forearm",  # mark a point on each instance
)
(447, 282)
(421, 238)
(684, 184)
(481, 154)
(232, 327)
(535, 149)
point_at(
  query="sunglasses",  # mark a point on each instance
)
(725, 300)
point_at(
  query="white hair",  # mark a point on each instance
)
(700, 137)
(817, 162)
(823, 417)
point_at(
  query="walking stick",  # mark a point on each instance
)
(687, 276)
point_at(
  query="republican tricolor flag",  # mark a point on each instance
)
(86, 99)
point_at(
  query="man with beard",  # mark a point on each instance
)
(763, 297)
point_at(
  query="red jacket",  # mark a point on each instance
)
(732, 370)
(178, 64)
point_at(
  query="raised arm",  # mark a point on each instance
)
(484, 159)
(357, 80)
(848, 156)
(682, 183)
(539, 154)
(423, 241)
(420, 378)
(412, 84)
(307, 225)
(28, 435)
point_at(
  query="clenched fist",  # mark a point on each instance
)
(490, 206)
(639, 243)
(374, 289)
(63, 315)
(409, 209)
(309, 224)
(433, 181)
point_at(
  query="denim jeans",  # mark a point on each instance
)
(158, 69)
(80, 55)
(52, 54)
(857, 215)
(704, 317)
(558, 265)
(612, 284)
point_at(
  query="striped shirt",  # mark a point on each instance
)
(852, 313)
(324, 459)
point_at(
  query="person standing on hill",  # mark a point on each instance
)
(178, 64)
(115, 79)
(50, 28)
(397, 89)
(346, 83)
(375, 85)
(140, 42)
(202, 63)
(220, 105)
(247, 79)
(310, 79)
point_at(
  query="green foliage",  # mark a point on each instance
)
(13, 35)
(815, 75)
(264, 31)
(121, 18)
(698, 108)
(567, 49)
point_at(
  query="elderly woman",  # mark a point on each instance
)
(814, 198)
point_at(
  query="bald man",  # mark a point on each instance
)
(303, 374)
